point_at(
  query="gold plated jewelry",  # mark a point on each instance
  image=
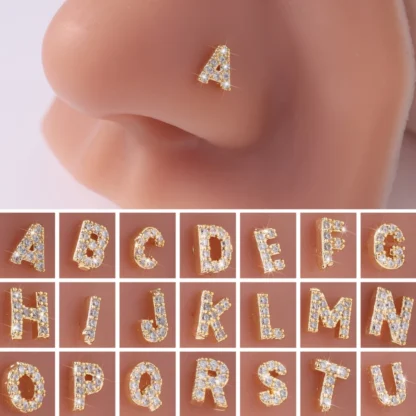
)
(149, 396)
(319, 309)
(92, 241)
(385, 310)
(327, 244)
(206, 263)
(19, 312)
(16, 372)
(31, 248)
(209, 315)
(84, 387)
(205, 381)
(218, 68)
(92, 319)
(266, 330)
(399, 380)
(395, 259)
(267, 251)
(277, 392)
(147, 234)
(158, 334)
(332, 372)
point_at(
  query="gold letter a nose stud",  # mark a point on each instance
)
(218, 68)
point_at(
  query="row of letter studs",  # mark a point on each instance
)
(93, 239)
(210, 316)
(210, 375)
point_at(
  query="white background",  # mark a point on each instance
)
(28, 170)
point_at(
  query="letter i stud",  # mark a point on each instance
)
(218, 68)
(92, 320)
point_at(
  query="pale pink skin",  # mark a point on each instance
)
(316, 118)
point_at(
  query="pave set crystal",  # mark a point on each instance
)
(15, 373)
(149, 396)
(31, 248)
(19, 312)
(147, 234)
(385, 310)
(266, 330)
(218, 68)
(319, 309)
(277, 393)
(209, 315)
(267, 251)
(92, 319)
(332, 372)
(84, 387)
(327, 243)
(92, 241)
(204, 381)
(205, 233)
(395, 258)
(380, 388)
(158, 333)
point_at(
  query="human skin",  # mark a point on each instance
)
(285, 226)
(406, 174)
(369, 223)
(188, 253)
(344, 260)
(370, 405)
(251, 385)
(190, 303)
(282, 305)
(29, 328)
(345, 392)
(411, 15)
(327, 337)
(368, 292)
(309, 93)
(165, 362)
(103, 402)
(188, 369)
(13, 228)
(130, 227)
(69, 229)
(74, 303)
(45, 363)
(136, 303)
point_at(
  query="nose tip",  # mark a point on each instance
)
(77, 57)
